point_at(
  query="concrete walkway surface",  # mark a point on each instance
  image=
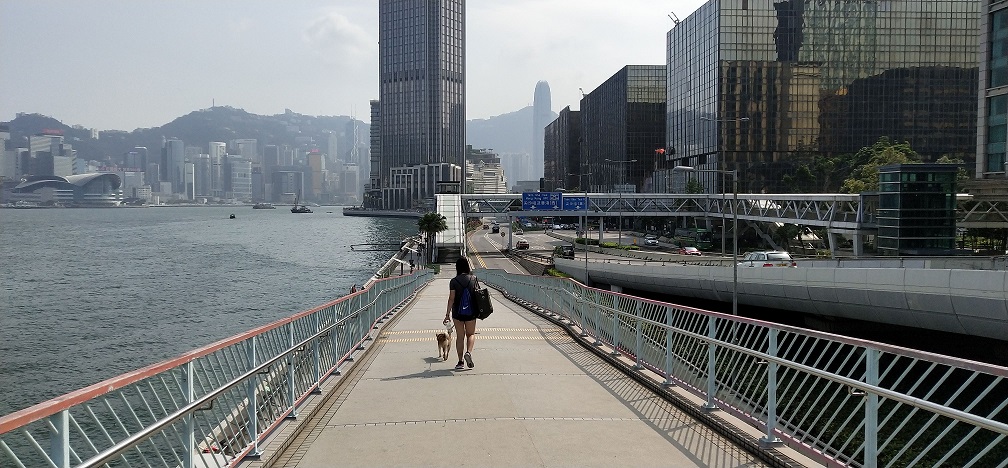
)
(535, 398)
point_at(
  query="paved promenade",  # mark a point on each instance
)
(534, 398)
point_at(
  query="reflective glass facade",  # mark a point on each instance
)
(623, 123)
(917, 209)
(993, 106)
(421, 89)
(562, 152)
(760, 85)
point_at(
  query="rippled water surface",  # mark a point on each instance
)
(89, 294)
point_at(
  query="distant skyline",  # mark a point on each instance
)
(121, 65)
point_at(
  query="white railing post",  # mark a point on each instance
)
(316, 358)
(871, 408)
(59, 440)
(638, 365)
(290, 371)
(771, 423)
(582, 315)
(253, 407)
(615, 324)
(668, 348)
(711, 364)
(190, 424)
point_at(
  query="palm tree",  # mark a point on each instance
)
(429, 225)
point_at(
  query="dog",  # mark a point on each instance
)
(444, 341)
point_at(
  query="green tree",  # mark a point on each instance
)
(429, 225)
(864, 177)
(787, 233)
(694, 186)
(961, 173)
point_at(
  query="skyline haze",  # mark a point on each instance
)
(127, 65)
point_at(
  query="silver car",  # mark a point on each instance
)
(770, 258)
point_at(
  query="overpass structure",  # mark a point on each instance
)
(848, 214)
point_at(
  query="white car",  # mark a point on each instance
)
(773, 258)
(651, 239)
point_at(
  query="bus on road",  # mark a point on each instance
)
(694, 237)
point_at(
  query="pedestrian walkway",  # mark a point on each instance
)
(535, 398)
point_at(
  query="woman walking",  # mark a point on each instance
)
(461, 309)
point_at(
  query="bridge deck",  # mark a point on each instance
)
(535, 398)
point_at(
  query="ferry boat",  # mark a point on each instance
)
(263, 206)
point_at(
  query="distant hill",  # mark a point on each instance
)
(198, 128)
(506, 133)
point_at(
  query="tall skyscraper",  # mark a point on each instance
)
(762, 87)
(542, 114)
(421, 58)
(175, 153)
(218, 156)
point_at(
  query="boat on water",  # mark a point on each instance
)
(263, 206)
(299, 208)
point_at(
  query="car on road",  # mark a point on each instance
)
(495, 229)
(522, 244)
(520, 232)
(769, 258)
(564, 251)
(651, 240)
(689, 251)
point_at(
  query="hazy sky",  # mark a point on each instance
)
(137, 63)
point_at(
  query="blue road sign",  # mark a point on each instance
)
(540, 201)
(575, 203)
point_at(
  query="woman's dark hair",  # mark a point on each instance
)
(462, 266)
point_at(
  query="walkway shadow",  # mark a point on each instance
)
(675, 426)
(424, 374)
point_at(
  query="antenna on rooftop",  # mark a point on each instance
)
(672, 16)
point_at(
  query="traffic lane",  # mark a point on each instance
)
(485, 252)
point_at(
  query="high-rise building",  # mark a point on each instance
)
(218, 158)
(623, 123)
(241, 178)
(175, 153)
(332, 148)
(317, 163)
(763, 87)
(203, 171)
(563, 165)
(421, 58)
(542, 114)
(993, 108)
(247, 148)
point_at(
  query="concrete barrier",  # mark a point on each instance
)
(968, 302)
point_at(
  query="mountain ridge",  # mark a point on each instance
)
(506, 133)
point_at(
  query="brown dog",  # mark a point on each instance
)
(444, 340)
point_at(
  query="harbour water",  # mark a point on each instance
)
(89, 294)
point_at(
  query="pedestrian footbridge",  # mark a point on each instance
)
(565, 375)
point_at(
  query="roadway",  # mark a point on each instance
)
(536, 397)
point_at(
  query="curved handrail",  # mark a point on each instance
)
(900, 404)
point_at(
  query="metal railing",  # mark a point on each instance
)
(209, 407)
(839, 400)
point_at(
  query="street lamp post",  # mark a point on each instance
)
(734, 175)
(619, 240)
(584, 221)
(721, 164)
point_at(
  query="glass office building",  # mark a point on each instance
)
(421, 104)
(562, 153)
(623, 124)
(760, 85)
(994, 91)
(917, 209)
